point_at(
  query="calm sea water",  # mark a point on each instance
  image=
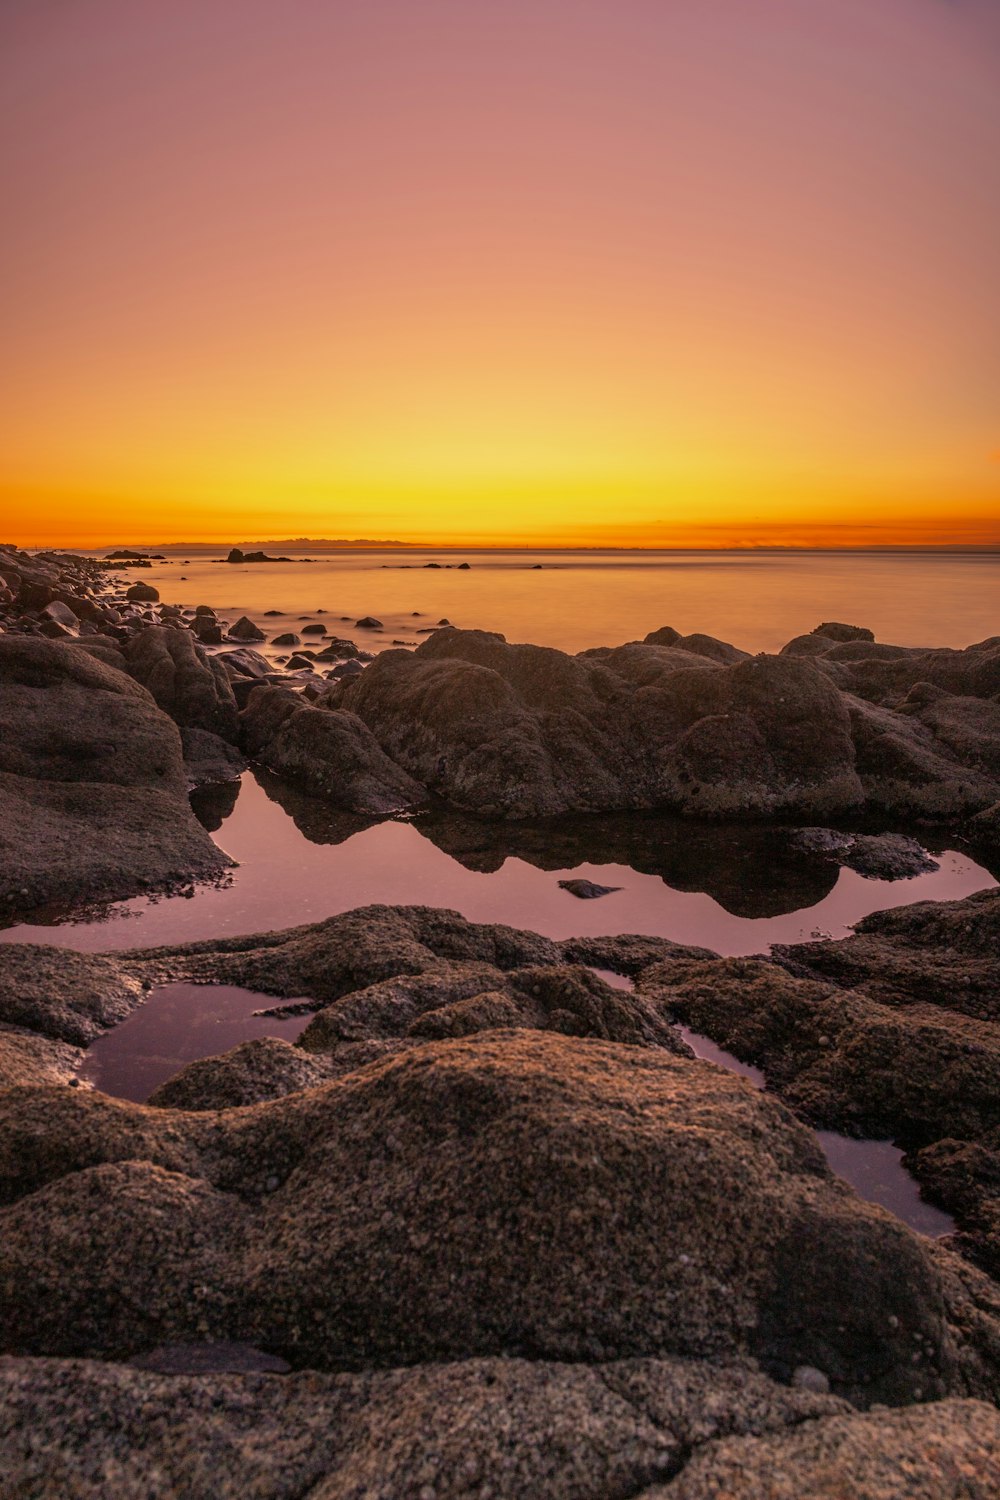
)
(575, 600)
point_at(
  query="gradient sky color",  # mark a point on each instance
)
(636, 272)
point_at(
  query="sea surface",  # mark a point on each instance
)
(575, 600)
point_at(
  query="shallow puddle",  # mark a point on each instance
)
(732, 889)
(175, 1025)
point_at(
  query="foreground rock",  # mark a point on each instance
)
(92, 781)
(891, 1032)
(453, 1201)
(510, 1429)
(188, 684)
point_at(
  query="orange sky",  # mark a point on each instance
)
(558, 271)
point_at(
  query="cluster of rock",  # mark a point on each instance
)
(686, 724)
(489, 1229)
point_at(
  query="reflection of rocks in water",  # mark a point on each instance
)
(317, 821)
(749, 871)
(213, 803)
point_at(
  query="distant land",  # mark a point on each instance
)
(344, 544)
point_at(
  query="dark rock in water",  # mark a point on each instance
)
(205, 609)
(586, 890)
(91, 780)
(832, 630)
(347, 669)
(246, 630)
(236, 556)
(289, 638)
(208, 758)
(336, 649)
(245, 662)
(886, 856)
(209, 1359)
(189, 685)
(208, 630)
(335, 755)
(314, 629)
(298, 661)
(368, 622)
(463, 567)
(142, 593)
(269, 612)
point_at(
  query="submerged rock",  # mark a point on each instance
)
(588, 890)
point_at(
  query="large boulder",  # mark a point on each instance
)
(187, 683)
(92, 781)
(510, 1193)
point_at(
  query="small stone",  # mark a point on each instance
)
(808, 1378)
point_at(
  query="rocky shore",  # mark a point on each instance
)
(488, 1227)
(837, 728)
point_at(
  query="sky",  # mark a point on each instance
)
(581, 272)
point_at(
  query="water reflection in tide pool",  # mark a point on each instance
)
(175, 1025)
(733, 890)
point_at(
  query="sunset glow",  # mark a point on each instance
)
(568, 272)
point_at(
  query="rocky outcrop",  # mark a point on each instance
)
(891, 1032)
(188, 684)
(266, 1068)
(92, 782)
(63, 995)
(453, 1201)
(680, 723)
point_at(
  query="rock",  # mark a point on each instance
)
(944, 953)
(697, 1214)
(65, 996)
(28, 1060)
(315, 629)
(187, 683)
(142, 593)
(808, 1378)
(335, 755)
(243, 662)
(208, 758)
(61, 615)
(458, 999)
(944, 1451)
(92, 783)
(266, 1068)
(839, 1058)
(586, 890)
(629, 953)
(236, 556)
(833, 631)
(288, 638)
(206, 610)
(905, 772)
(336, 649)
(516, 1429)
(518, 731)
(984, 828)
(246, 630)
(368, 622)
(208, 630)
(299, 662)
(886, 856)
(347, 669)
